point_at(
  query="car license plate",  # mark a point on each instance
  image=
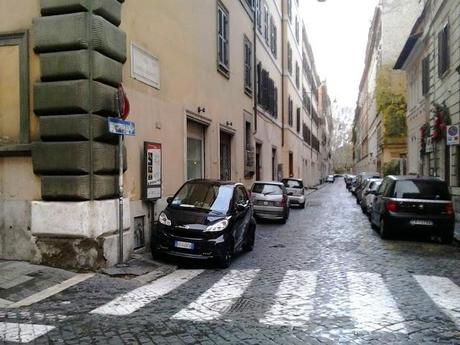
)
(421, 222)
(183, 245)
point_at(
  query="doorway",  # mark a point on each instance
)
(195, 150)
(258, 151)
(225, 156)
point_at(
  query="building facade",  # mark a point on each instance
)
(379, 133)
(431, 59)
(204, 80)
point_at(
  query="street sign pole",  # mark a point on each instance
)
(121, 127)
(120, 201)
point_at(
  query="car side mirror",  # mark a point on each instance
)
(241, 206)
(169, 200)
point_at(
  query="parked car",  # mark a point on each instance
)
(270, 201)
(369, 195)
(295, 190)
(360, 178)
(419, 204)
(349, 180)
(330, 179)
(206, 219)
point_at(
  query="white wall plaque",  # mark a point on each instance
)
(144, 66)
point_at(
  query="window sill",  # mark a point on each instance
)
(16, 150)
(224, 71)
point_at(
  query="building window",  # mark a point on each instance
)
(266, 25)
(297, 29)
(289, 58)
(250, 3)
(425, 75)
(273, 36)
(267, 93)
(289, 9)
(258, 5)
(291, 164)
(443, 51)
(14, 104)
(247, 66)
(290, 110)
(297, 75)
(298, 120)
(222, 38)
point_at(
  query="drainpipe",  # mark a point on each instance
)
(254, 38)
(283, 40)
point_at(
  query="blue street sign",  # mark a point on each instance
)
(121, 127)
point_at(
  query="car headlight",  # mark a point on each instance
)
(219, 226)
(163, 219)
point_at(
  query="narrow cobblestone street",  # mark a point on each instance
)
(323, 278)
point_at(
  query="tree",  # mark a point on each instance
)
(342, 148)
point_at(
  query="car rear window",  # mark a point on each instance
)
(420, 189)
(293, 184)
(267, 189)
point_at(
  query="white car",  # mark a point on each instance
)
(296, 191)
(330, 178)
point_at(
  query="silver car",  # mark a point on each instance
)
(368, 196)
(270, 200)
(295, 190)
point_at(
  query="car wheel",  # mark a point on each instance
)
(302, 205)
(384, 231)
(447, 238)
(225, 259)
(250, 238)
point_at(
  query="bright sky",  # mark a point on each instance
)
(337, 31)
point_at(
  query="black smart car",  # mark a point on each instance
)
(409, 203)
(206, 220)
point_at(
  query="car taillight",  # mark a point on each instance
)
(391, 206)
(449, 209)
(283, 201)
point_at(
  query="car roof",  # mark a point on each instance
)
(414, 177)
(216, 182)
(292, 179)
(276, 183)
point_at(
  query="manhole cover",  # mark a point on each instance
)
(239, 305)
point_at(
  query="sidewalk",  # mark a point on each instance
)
(23, 284)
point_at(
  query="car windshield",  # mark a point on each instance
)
(375, 185)
(293, 184)
(204, 196)
(267, 189)
(421, 189)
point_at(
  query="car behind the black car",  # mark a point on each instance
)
(206, 220)
(418, 204)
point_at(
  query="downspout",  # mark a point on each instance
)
(254, 38)
(283, 40)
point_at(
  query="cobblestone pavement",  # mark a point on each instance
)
(323, 278)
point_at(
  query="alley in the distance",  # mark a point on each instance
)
(324, 277)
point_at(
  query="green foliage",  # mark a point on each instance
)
(391, 106)
(391, 168)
